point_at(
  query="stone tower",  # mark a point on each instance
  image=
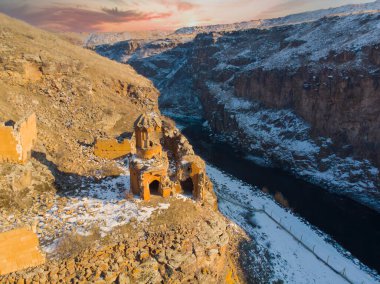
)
(149, 167)
(148, 134)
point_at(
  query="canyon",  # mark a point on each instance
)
(299, 92)
(104, 186)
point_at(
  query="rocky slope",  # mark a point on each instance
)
(76, 94)
(168, 246)
(77, 202)
(301, 96)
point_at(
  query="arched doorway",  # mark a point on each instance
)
(187, 186)
(154, 187)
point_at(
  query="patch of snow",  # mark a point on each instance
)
(101, 205)
(293, 262)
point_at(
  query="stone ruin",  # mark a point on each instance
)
(112, 148)
(165, 164)
(17, 140)
(19, 250)
(163, 161)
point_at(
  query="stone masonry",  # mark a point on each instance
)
(17, 140)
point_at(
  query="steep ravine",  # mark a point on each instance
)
(302, 97)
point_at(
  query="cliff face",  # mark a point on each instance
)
(300, 105)
(94, 230)
(340, 106)
(303, 97)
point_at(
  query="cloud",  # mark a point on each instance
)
(79, 19)
(186, 6)
(179, 5)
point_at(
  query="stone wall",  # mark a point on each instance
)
(17, 140)
(189, 165)
(19, 250)
(112, 148)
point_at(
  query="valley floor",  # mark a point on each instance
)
(299, 253)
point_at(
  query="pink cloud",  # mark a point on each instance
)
(186, 6)
(80, 19)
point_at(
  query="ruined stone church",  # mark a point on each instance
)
(164, 163)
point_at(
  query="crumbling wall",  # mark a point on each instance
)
(8, 145)
(112, 148)
(19, 250)
(150, 153)
(16, 142)
(189, 165)
(28, 135)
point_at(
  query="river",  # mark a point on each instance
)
(352, 225)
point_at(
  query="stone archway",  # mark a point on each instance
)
(154, 187)
(188, 186)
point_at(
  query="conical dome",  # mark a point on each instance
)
(146, 121)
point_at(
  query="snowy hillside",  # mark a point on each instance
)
(287, 20)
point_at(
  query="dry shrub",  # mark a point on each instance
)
(265, 190)
(15, 201)
(72, 244)
(110, 169)
(168, 121)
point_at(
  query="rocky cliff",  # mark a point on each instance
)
(300, 93)
(88, 224)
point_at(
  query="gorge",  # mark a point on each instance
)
(232, 153)
(298, 94)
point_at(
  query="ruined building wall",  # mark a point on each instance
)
(112, 148)
(28, 135)
(8, 145)
(17, 141)
(19, 250)
(148, 142)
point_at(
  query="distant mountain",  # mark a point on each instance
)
(94, 39)
(287, 20)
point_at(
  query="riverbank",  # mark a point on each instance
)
(355, 227)
(299, 253)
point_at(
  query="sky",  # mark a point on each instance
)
(143, 15)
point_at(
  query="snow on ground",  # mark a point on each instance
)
(293, 262)
(102, 205)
